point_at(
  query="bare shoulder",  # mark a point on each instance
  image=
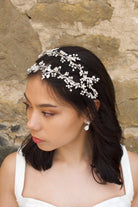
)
(133, 158)
(7, 181)
(8, 165)
(7, 169)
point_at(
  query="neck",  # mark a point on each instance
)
(76, 152)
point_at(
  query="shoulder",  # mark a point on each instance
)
(9, 162)
(7, 177)
(133, 159)
(7, 169)
(7, 181)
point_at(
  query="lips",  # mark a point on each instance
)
(36, 140)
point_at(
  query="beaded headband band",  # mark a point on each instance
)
(47, 72)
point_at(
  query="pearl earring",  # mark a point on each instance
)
(86, 128)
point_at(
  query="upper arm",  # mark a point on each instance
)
(134, 169)
(7, 180)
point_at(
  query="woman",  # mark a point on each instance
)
(73, 157)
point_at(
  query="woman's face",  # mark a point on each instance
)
(52, 122)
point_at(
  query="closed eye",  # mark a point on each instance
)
(27, 105)
(47, 114)
(43, 112)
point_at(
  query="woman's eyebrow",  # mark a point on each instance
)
(26, 97)
(41, 105)
(46, 105)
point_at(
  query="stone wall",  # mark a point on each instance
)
(109, 28)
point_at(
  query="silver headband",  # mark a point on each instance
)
(84, 83)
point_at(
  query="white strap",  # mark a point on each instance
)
(19, 174)
(128, 182)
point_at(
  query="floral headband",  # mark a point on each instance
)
(47, 71)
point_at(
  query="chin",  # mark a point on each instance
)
(45, 148)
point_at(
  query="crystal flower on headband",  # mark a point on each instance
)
(85, 83)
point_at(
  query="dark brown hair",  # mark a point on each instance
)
(105, 130)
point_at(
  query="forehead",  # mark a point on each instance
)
(38, 91)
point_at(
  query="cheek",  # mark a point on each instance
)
(63, 126)
(60, 131)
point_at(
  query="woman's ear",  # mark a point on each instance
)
(97, 104)
(88, 116)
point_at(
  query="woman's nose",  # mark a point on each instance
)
(34, 122)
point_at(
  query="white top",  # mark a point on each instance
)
(120, 201)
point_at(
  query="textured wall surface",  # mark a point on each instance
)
(109, 28)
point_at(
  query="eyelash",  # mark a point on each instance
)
(43, 112)
(27, 105)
